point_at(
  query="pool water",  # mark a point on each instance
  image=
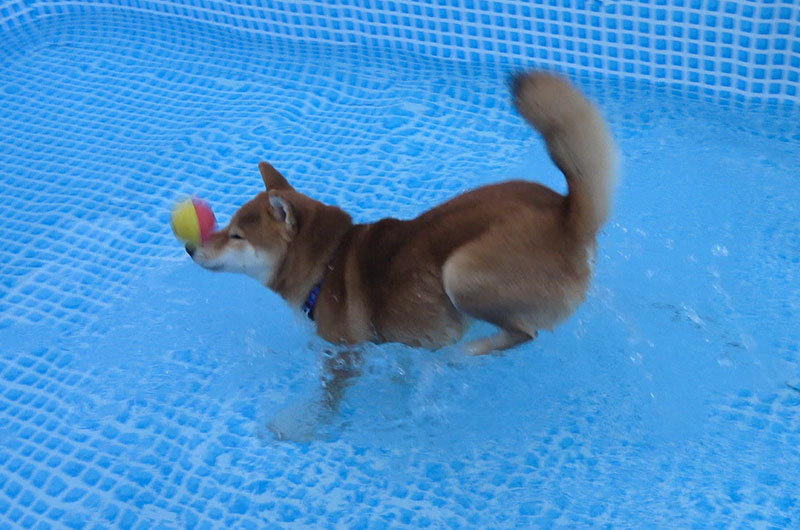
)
(139, 391)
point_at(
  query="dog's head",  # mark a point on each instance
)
(259, 234)
(278, 226)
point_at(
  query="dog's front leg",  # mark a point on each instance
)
(340, 367)
(302, 420)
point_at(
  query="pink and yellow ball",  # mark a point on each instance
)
(193, 221)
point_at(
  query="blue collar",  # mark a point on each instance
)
(311, 301)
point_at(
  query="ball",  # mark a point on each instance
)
(193, 221)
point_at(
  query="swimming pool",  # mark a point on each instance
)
(136, 390)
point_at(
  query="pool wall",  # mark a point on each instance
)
(730, 50)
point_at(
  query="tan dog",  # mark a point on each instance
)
(515, 254)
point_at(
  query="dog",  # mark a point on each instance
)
(516, 254)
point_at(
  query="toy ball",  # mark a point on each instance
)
(193, 221)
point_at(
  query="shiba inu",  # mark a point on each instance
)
(515, 254)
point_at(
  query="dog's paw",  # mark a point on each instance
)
(301, 421)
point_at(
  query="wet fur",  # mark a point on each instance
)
(515, 254)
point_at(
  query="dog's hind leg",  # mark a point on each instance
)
(477, 296)
(502, 340)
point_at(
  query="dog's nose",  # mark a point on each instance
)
(190, 249)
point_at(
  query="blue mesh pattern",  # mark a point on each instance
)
(137, 391)
(14, 13)
(733, 48)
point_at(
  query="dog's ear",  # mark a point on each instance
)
(282, 210)
(273, 180)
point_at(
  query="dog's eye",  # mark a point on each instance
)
(236, 236)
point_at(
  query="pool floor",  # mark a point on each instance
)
(138, 391)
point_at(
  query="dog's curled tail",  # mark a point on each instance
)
(578, 141)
